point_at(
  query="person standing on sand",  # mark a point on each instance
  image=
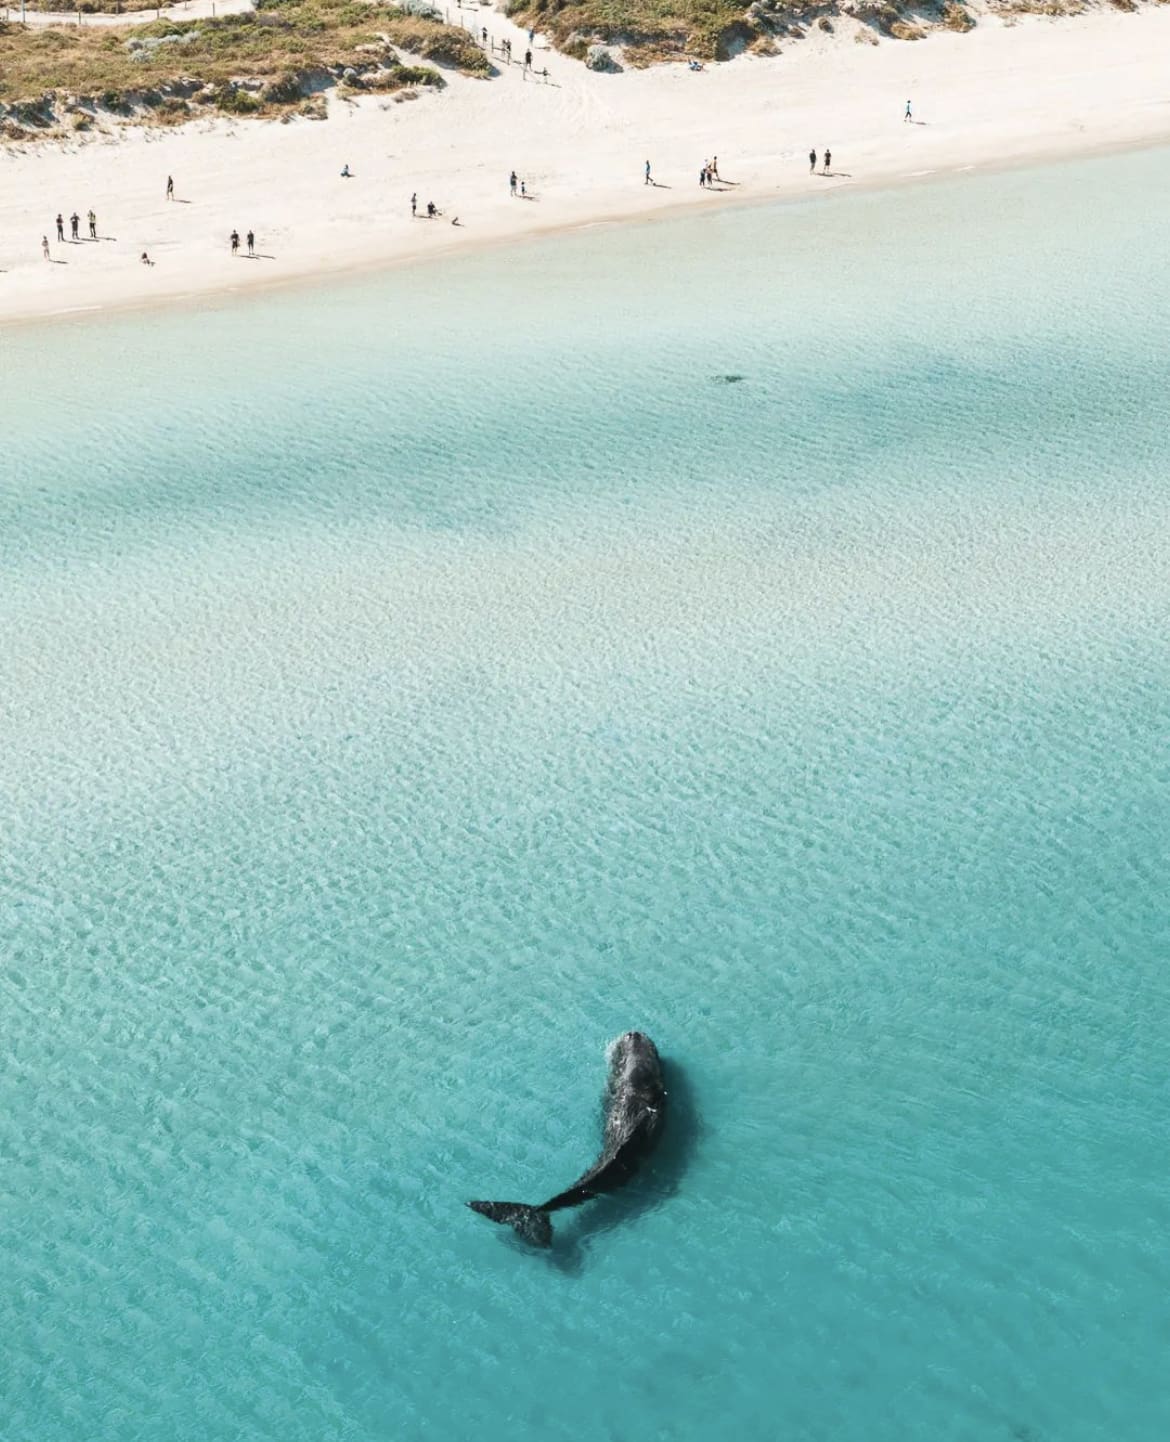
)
(713, 173)
(92, 226)
(414, 205)
(170, 188)
(828, 160)
(512, 182)
(647, 181)
(528, 59)
(908, 115)
(45, 246)
(75, 221)
(812, 161)
(60, 228)
(235, 242)
(251, 242)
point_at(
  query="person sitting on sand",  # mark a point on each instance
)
(347, 174)
(146, 260)
(694, 65)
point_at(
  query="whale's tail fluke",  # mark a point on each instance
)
(531, 1223)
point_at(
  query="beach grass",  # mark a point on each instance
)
(652, 29)
(276, 58)
(95, 7)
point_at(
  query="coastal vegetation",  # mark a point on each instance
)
(275, 60)
(648, 31)
(282, 57)
(653, 30)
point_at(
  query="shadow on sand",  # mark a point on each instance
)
(576, 1232)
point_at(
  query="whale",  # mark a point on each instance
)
(635, 1113)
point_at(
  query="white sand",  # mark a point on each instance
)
(996, 96)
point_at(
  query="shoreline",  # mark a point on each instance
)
(1070, 88)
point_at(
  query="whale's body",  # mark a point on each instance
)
(635, 1109)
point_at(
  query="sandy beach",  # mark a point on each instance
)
(1001, 95)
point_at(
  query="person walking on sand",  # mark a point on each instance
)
(908, 115)
(45, 246)
(60, 228)
(75, 221)
(828, 160)
(647, 181)
(414, 205)
(251, 242)
(170, 187)
(235, 242)
(92, 225)
(812, 161)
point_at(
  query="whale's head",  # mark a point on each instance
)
(634, 1055)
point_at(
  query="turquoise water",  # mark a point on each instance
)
(408, 685)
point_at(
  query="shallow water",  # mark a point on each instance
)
(408, 685)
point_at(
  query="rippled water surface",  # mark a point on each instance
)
(406, 686)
